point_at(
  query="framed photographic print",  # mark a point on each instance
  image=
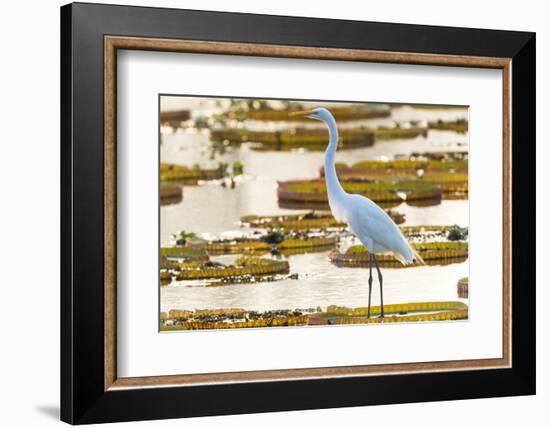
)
(265, 213)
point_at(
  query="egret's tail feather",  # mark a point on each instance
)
(402, 259)
(418, 259)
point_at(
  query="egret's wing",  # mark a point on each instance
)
(373, 223)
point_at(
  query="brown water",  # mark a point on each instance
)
(212, 209)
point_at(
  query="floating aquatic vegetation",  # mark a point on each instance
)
(314, 139)
(174, 118)
(421, 234)
(379, 191)
(218, 148)
(403, 167)
(253, 261)
(450, 176)
(275, 236)
(232, 246)
(398, 133)
(342, 113)
(317, 138)
(324, 206)
(170, 194)
(241, 267)
(459, 125)
(398, 309)
(185, 175)
(165, 277)
(307, 243)
(238, 168)
(312, 220)
(181, 314)
(207, 319)
(183, 253)
(453, 185)
(192, 261)
(455, 155)
(420, 247)
(309, 221)
(182, 237)
(276, 321)
(225, 312)
(437, 316)
(450, 183)
(433, 253)
(167, 264)
(276, 240)
(462, 287)
(411, 230)
(457, 233)
(248, 279)
(201, 122)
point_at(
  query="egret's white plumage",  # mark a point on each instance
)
(370, 223)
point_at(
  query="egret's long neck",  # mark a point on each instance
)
(334, 188)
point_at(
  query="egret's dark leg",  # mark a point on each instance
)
(370, 282)
(381, 293)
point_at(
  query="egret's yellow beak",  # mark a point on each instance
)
(303, 113)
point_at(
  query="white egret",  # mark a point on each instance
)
(370, 223)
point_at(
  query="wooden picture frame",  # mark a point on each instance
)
(91, 390)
